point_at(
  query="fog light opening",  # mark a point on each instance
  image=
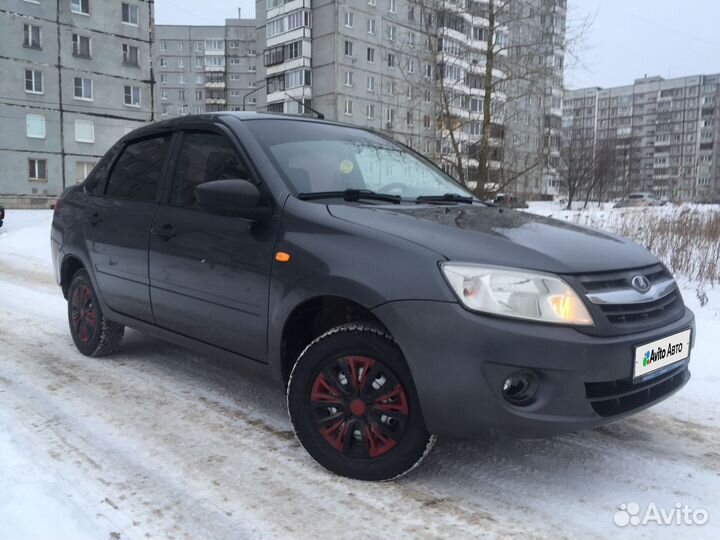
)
(520, 388)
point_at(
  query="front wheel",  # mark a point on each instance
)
(354, 407)
(93, 334)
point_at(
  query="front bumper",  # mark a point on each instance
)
(460, 359)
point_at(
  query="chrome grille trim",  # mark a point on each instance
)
(658, 290)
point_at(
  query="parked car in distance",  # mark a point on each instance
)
(639, 199)
(2, 215)
(391, 304)
(508, 201)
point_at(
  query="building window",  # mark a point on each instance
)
(80, 6)
(198, 62)
(163, 110)
(389, 117)
(180, 46)
(214, 45)
(411, 65)
(84, 168)
(234, 76)
(181, 95)
(371, 111)
(163, 94)
(35, 126)
(132, 96)
(181, 62)
(199, 79)
(348, 48)
(198, 46)
(371, 83)
(163, 45)
(31, 36)
(198, 94)
(426, 122)
(371, 55)
(83, 88)
(371, 26)
(393, 7)
(392, 32)
(234, 61)
(181, 78)
(33, 81)
(130, 15)
(349, 78)
(348, 107)
(252, 69)
(130, 55)
(37, 169)
(215, 61)
(372, 2)
(293, 50)
(81, 46)
(274, 56)
(84, 131)
(409, 118)
(163, 78)
(163, 62)
(391, 60)
(349, 19)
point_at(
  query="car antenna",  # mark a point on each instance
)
(318, 115)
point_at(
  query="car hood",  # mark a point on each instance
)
(502, 237)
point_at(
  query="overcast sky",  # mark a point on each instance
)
(627, 39)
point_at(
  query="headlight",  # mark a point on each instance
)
(516, 293)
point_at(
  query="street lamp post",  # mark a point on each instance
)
(251, 93)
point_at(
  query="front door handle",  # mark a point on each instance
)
(166, 232)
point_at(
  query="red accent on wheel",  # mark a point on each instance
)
(359, 406)
(83, 313)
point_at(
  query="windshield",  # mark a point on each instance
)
(316, 157)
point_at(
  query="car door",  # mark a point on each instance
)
(210, 274)
(117, 225)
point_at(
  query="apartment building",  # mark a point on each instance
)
(77, 76)
(378, 63)
(205, 68)
(660, 134)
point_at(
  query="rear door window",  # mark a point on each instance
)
(138, 171)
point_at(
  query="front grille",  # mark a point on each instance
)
(618, 280)
(612, 295)
(616, 397)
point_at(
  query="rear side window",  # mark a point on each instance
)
(204, 157)
(138, 170)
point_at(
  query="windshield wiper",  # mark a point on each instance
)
(352, 195)
(446, 197)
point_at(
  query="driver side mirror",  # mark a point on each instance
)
(233, 198)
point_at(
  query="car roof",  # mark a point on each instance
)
(181, 121)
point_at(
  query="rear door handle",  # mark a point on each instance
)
(166, 232)
(94, 218)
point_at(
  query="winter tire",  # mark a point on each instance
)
(93, 334)
(353, 405)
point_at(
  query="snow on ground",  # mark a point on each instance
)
(159, 442)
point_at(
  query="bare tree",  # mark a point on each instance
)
(585, 166)
(512, 52)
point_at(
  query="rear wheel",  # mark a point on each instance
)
(93, 334)
(353, 405)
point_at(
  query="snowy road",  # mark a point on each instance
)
(159, 442)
